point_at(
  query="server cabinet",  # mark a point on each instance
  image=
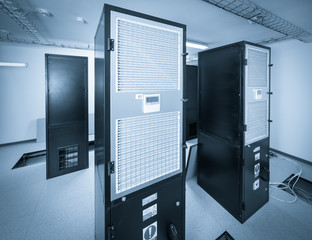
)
(233, 129)
(139, 121)
(191, 105)
(66, 114)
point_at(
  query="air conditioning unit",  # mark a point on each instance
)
(139, 84)
(234, 117)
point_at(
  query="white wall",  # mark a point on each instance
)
(291, 105)
(22, 90)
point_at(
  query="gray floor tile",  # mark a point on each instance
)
(20, 202)
(16, 229)
(63, 219)
(32, 207)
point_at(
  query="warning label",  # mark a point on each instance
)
(150, 212)
(150, 232)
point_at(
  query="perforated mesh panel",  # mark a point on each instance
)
(148, 57)
(257, 68)
(147, 148)
(257, 123)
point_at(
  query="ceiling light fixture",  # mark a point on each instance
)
(190, 58)
(44, 12)
(196, 45)
(4, 33)
(82, 20)
(12, 64)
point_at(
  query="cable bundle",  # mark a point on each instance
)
(288, 186)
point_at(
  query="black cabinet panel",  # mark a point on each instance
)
(67, 89)
(256, 169)
(66, 114)
(219, 93)
(234, 82)
(191, 109)
(131, 219)
(219, 171)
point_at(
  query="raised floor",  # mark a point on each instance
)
(32, 207)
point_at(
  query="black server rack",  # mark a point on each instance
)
(66, 114)
(139, 127)
(191, 106)
(233, 128)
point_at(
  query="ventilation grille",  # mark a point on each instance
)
(68, 157)
(148, 57)
(257, 121)
(148, 147)
(257, 68)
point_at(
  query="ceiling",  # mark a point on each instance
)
(206, 23)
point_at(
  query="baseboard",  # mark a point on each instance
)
(291, 156)
(18, 142)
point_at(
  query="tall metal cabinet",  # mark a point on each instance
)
(191, 106)
(233, 131)
(66, 114)
(139, 121)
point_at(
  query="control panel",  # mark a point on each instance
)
(151, 103)
(257, 94)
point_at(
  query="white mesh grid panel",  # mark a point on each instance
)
(148, 147)
(148, 57)
(257, 123)
(257, 68)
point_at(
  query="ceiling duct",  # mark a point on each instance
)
(11, 9)
(259, 15)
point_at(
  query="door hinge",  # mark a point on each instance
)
(110, 44)
(184, 100)
(271, 65)
(270, 120)
(111, 232)
(184, 146)
(185, 54)
(243, 206)
(111, 168)
(245, 62)
(270, 93)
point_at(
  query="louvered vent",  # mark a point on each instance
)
(257, 121)
(257, 68)
(68, 157)
(148, 57)
(147, 148)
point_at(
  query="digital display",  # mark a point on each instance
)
(152, 99)
(151, 103)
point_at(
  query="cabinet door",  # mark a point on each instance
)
(256, 94)
(66, 114)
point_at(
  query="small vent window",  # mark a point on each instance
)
(68, 157)
(257, 68)
(257, 123)
(148, 57)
